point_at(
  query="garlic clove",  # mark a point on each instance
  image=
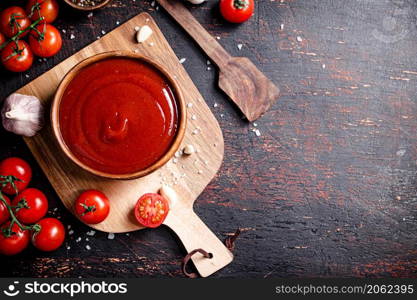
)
(189, 149)
(22, 114)
(169, 194)
(143, 34)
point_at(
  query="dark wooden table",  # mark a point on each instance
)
(329, 187)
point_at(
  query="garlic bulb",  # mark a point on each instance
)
(22, 114)
(196, 1)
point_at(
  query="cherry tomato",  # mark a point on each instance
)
(237, 11)
(2, 38)
(4, 212)
(50, 236)
(16, 242)
(151, 210)
(92, 207)
(31, 206)
(12, 20)
(48, 9)
(47, 45)
(18, 168)
(17, 57)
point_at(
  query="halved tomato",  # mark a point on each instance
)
(151, 210)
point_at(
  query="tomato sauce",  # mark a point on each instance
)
(119, 115)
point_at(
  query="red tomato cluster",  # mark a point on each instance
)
(44, 40)
(23, 219)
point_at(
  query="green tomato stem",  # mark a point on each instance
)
(12, 215)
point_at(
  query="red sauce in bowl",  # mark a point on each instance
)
(118, 115)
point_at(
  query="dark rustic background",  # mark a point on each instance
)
(329, 187)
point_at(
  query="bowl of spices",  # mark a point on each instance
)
(87, 4)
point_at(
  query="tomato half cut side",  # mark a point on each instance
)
(151, 210)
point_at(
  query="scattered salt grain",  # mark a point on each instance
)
(91, 233)
(78, 240)
(239, 46)
(68, 247)
(299, 39)
(64, 31)
(193, 117)
(72, 36)
(117, 22)
(200, 172)
(215, 105)
(87, 247)
(110, 236)
(137, 28)
(281, 27)
(182, 60)
(90, 15)
(189, 105)
(103, 32)
(87, 239)
(257, 132)
(71, 232)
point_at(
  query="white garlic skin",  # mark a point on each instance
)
(22, 114)
(196, 1)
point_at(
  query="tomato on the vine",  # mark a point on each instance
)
(45, 40)
(18, 168)
(4, 212)
(237, 11)
(17, 56)
(16, 242)
(30, 206)
(151, 210)
(13, 20)
(92, 207)
(48, 9)
(50, 236)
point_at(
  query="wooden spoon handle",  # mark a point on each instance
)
(194, 234)
(204, 39)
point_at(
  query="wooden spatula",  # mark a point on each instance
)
(239, 78)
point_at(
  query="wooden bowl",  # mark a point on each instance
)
(182, 119)
(88, 8)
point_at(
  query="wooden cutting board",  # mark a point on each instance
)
(187, 175)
